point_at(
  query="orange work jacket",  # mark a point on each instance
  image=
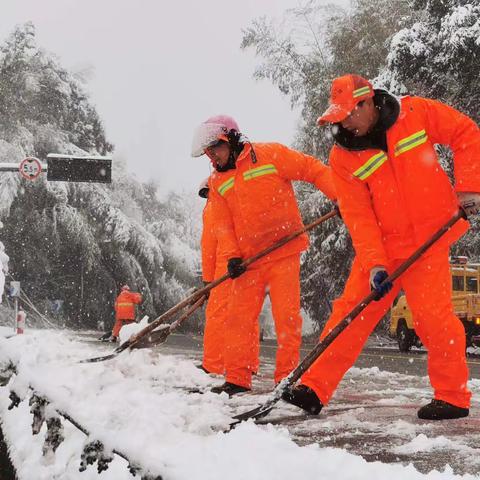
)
(125, 305)
(393, 201)
(255, 203)
(214, 260)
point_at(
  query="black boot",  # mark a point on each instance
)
(440, 410)
(230, 389)
(303, 397)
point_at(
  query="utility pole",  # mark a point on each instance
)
(15, 293)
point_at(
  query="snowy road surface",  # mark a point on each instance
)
(139, 405)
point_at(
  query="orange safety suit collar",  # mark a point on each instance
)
(236, 152)
(389, 109)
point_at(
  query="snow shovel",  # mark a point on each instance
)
(322, 345)
(161, 334)
(191, 299)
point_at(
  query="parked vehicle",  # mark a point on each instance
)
(466, 304)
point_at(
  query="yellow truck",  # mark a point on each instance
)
(466, 304)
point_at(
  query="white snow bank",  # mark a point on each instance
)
(138, 404)
(6, 331)
(131, 329)
(422, 443)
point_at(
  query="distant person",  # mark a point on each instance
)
(21, 320)
(125, 310)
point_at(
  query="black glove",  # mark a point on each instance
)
(235, 267)
(378, 275)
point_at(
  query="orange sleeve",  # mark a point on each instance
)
(448, 126)
(208, 244)
(223, 228)
(136, 297)
(294, 165)
(357, 212)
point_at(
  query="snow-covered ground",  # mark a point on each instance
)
(139, 405)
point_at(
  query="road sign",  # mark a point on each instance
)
(14, 289)
(73, 168)
(30, 168)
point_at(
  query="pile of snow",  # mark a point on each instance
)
(6, 332)
(131, 329)
(139, 404)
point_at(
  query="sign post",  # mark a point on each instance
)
(15, 293)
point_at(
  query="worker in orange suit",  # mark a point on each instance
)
(214, 265)
(393, 195)
(255, 206)
(125, 309)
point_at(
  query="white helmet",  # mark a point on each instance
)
(211, 131)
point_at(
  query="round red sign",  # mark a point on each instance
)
(30, 168)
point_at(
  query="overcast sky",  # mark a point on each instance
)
(158, 69)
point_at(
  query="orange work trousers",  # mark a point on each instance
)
(282, 277)
(428, 287)
(214, 332)
(118, 326)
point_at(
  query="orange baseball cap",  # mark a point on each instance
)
(346, 92)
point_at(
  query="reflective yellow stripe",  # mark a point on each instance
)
(226, 186)
(124, 304)
(361, 91)
(410, 142)
(372, 164)
(259, 171)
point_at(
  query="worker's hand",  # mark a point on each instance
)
(235, 267)
(378, 275)
(470, 202)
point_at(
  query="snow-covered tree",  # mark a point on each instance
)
(78, 243)
(315, 43)
(439, 57)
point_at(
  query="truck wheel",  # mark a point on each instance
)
(405, 337)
